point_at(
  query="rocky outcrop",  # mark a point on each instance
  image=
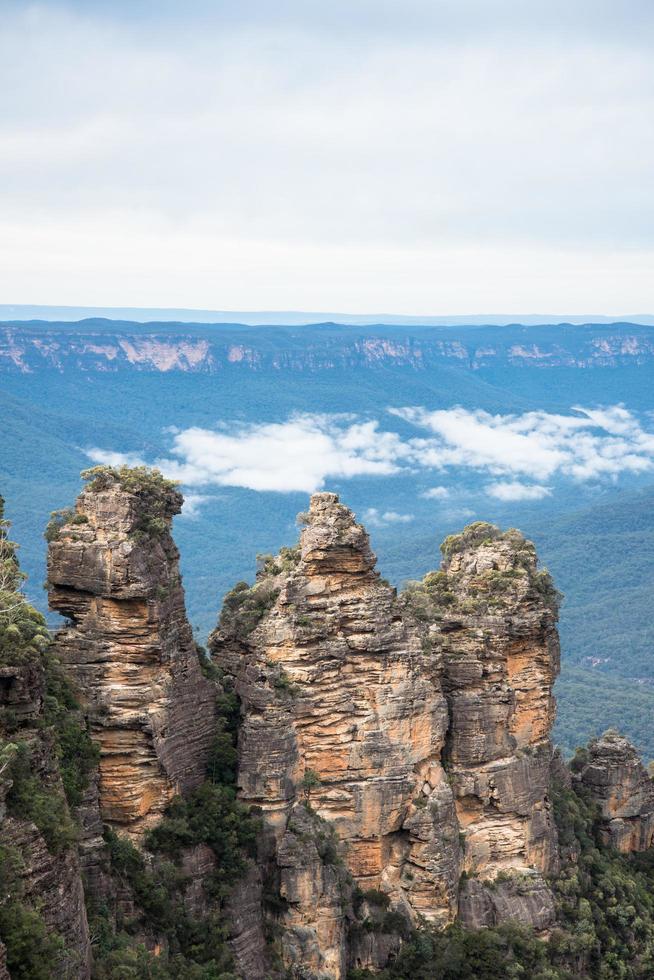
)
(612, 772)
(493, 615)
(52, 883)
(113, 573)
(398, 747)
(39, 874)
(343, 709)
(417, 727)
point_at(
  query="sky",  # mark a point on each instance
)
(415, 156)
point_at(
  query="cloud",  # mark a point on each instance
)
(192, 504)
(436, 493)
(517, 491)
(589, 444)
(376, 519)
(305, 452)
(108, 457)
(297, 455)
(131, 170)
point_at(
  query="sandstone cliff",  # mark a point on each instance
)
(342, 683)
(611, 771)
(113, 573)
(493, 616)
(398, 748)
(41, 893)
(342, 706)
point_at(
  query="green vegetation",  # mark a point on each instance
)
(160, 498)
(310, 781)
(77, 753)
(482, 533)
(492, 589)
(23, 632)
(33, 796)
(375, 897)
(429, 599)
(56, 744)
(62, 518)
(24, 641)
(605, 913)
(245, 606)
(210, 815)
(284, 685)
(32, 950)
(197, 946)
(285, 561)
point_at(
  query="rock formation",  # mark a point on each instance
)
(398, 747)
(113, 572)
(618, 782)
(493, 615)
(342, 705)
(38, 870)
(342, 685)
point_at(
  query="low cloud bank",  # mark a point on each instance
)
(302, 454)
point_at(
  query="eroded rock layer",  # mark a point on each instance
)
(113, 572)
(43, 876)
(493, 617)
(619, 783)
(343, 708)
(417, 727)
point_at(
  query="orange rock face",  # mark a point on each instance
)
(416, 727)
(343, 703)
(494, 617)
(131, 651)
(619, 783)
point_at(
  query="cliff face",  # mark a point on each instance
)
(342, 684)
(113, 572)
(342, 706)
(494, 617)
(618, 782)
(397, 746)
(103, 346)
(39, 863)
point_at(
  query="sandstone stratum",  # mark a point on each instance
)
(345, 765)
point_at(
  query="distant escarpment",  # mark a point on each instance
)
(109, 347)
(354, 782)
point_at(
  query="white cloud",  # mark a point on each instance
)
(305, 452)
(589, 444)
(518, 491)
(376, 519)
(192, 504)
(436, 493)
(297, 455)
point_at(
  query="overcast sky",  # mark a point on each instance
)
(414, 156)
